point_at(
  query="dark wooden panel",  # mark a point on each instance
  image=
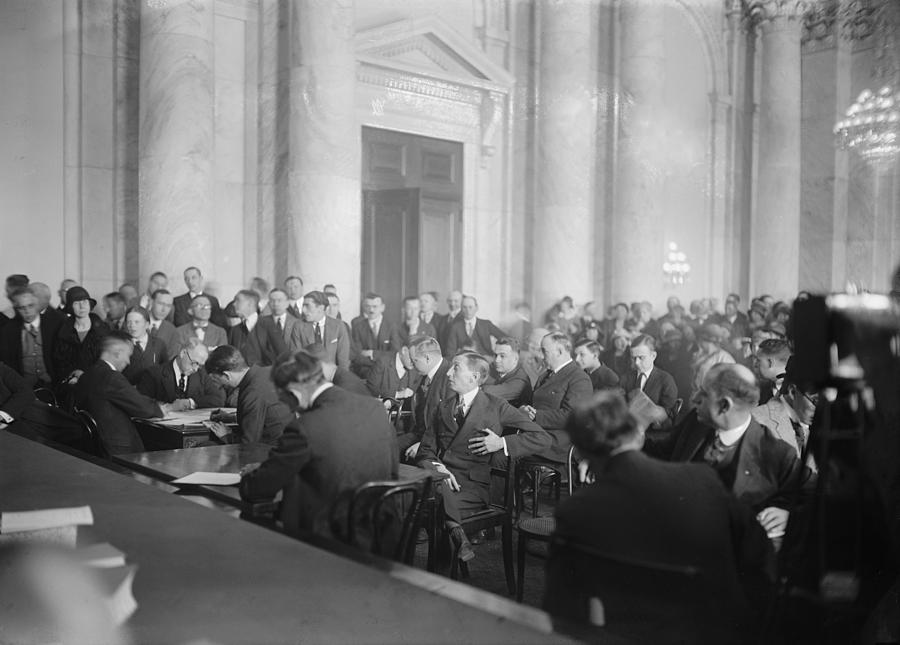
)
(439, 167)
(387, 158)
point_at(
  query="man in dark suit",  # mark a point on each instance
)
(284, 322)
(256, 337)
(340, 376)
(467, 429)
(430, 315)
(649, 381)
(760, 469)
(15, 395)
(182, 381)
(338, 442)
(27, 342)
(293, 287)
(181, 315)
(261, 416)
(412, 324)
(161, 303)
(638, 508)
(200, 326)
(317, 328)
(112, 400)
(509, 380)
(587, 355)
(470, 332)
(149, 351)
(454, 312)
(393, 376)
(115, 307)
(370, 334)
(557, 392)
(433, 387)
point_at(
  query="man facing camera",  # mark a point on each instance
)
(319, 329)
(193, 280)
(339, 442)
(510, 380)
(469, 331)
(641, 509)
(182, 381)
(200, 326)
(468, 429)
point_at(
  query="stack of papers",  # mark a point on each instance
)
(210, 479)
(54, 525)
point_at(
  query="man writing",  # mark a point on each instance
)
(182, 381)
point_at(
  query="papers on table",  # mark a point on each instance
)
(51, 518)
(101, 556)
(187, 417)
(210, 479)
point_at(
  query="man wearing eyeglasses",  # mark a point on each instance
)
(182, 381)
(200, 326)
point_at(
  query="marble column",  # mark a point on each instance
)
(325, 236)
(775, 226)
(176, 223)
(636, 245)
(565, 211)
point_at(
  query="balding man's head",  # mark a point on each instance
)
(729, 393)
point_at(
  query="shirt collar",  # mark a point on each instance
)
(111, 366)
(319, 390)
(36, 323)
(434, 370)
(733, 435)
(398, 364)
(177, 369)
(467, 398)
(647, 373)
(376, 321)
(251, 321)
(143, 340)
(194, 294)
(556, 371)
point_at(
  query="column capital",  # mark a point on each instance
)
(760, 13)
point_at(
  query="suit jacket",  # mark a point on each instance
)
(260, 414)
(362, 338)
(347, 380)
(555, 395)
(383, 380)
(448, 443)
(677, 514)
(341, 442)
(514, 386)
(212, 338)
(425, 404)
(447, 321)
(438, 322)
(11, 340)
(169, 336)
(768, 471)
(158, 382)
(71, 354)
(154, 353)
(180, 315)
(15, 394)
(604, 378)
(290, 334)
(779, 417)
(334, 337)
(403, 335)
(481, 336)
(659, 388)
(113, 401)
(262, 345)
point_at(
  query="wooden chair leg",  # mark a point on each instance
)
(520, 579)
(508, 558)
(464, 570)
(535, 491)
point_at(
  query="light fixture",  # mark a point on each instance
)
(676, 267)
(872, 127)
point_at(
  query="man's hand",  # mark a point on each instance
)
(72, 378)
(249, 468)
(405, 393)
(489, 442)
(585, 476)
(368, 353)
(180, 404)
(774, 520)
(451, 481)
(219, 429)
(530, 411)
(412, 450)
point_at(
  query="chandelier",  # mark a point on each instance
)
(872, 127)
(676, 267)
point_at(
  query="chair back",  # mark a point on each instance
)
(384, 517)
(639, 600)
(92, 441)
(46, 395)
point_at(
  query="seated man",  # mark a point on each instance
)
(759, 468)
(470, 331)
(587, 355)
(433, 387)
(200, 327)
(558, 391)
(114, 305)
(468, 428)
(338, 442)
(772, 357)
(285, 323)
(112, 400)
(412, 323)
(509, 379)
(638, 508)
(160, 307)
(340, 376)
(393, 376)
(182, 381)
(261, 416)
(330, 333)
(371, 335)
(148, 350)
(181, 314)
(256, 337)
(28, 341)
(647, 380)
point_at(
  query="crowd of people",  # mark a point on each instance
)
(705, 385)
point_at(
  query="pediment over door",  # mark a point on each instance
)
(424, 66)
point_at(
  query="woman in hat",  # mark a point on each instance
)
(78, 343)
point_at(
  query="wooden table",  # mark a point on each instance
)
(187, 432)
(205, 575)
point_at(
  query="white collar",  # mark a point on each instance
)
(319, 390)
(143, 340)
(467, 398)
(556, 371)
(434, 370)
(647, 373)
(195, 294)
(177, 369)
(112, 367)
(398, 364)
(154, 323)
(251, 321)
(376, 321)
(471, 322)
(36, 323)
(732, 436)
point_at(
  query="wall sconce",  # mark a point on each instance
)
(676, 267)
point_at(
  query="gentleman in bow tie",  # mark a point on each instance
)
(563, 386)
(257, 338)
(200, 326)
(319, 329)
(469, 331)
(468, 429)
(182, 381)
(193, 280)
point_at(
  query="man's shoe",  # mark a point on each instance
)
(461, 542)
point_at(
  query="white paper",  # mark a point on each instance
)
(14, 522)
(210, 479)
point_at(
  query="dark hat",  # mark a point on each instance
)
(76, 293)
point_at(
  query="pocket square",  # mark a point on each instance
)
(334, 340)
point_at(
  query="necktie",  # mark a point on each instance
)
(374, 326)
(460, 414)
(319, 333)
(642, 381)
(182, 384)
(137, 346)
(715, 452)
(279, 324)
(31, 330)
(200, 332)
(469, 328)
(153, 330)
(546, 375)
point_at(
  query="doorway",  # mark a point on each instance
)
(412, 216)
